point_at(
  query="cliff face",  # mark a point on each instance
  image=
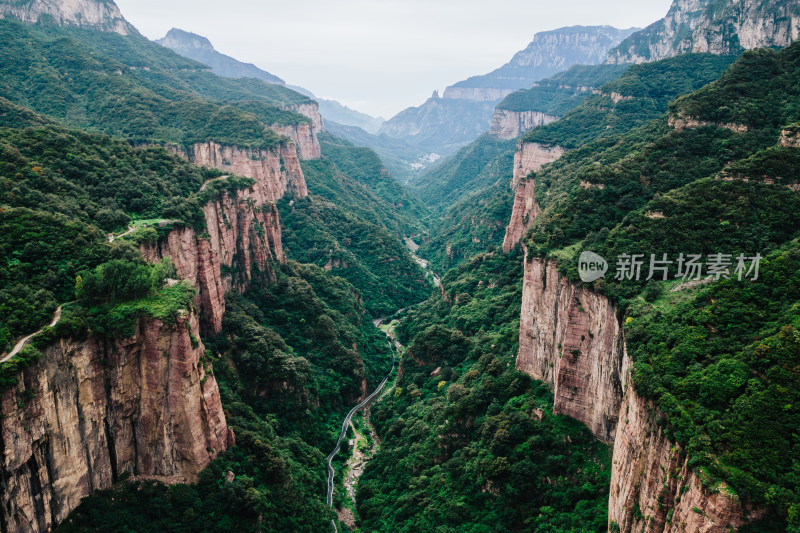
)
(275, 170)
(528, 158)
(651, 474)
(571, 338)
(310, 110)
(243, 235)
(304, 137)
(548, 53)
(94, 14)
(91, 410)
(715, 26)
(508, 124)
(481, 94)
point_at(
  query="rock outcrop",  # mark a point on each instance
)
(304, 137)
(94, 409)
(529, 157)
(548, 53)
(717, 28)
(681, 123)
(652, 487)
(276, 170)
(570, 338)
(309, 110)
(508, 124)
(102, 15)
(480, 94)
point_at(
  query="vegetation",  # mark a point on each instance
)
(717, 358)
(643, 92)
(468, 443)
(560, 93)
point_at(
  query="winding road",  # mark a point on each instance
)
(343, 433)
(23, 341)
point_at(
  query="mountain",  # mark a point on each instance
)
(548, 53)
(443, 125)
(90, 14)
(715, 26)
(340, 113)
(440, 125)
(200, 49)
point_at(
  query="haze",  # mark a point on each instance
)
(378, 56)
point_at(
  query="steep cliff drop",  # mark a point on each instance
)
(571, 338)
(507, 124)
(92, 410)
(243, 232)
(528, 158)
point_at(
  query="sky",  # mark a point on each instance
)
(379, 56)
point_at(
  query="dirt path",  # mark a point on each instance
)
(226, 176)
(22, 342)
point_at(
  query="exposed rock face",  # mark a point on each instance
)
(651, 473)
(310, 110)
(508, 124)
(548, 53)
(99, 15)
(790, 137)
(481, 94)
(570, 338)
(243, 234)
(715, 27)
(98, 408)
(680, 123)
(275, 170)
(528, 158)
(304, 137)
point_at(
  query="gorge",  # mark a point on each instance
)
(210, 271)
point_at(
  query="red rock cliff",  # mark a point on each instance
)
(650, 474)
(243, 234)
(92, 410)
(528, 158)
(276, 170)
(570, 337)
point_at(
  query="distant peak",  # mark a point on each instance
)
(435, 94)
(177, 38)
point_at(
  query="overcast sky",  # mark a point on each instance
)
(379, 56)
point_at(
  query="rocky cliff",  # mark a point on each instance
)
(276, 170)
(715, 26)
(548, 53)
(652, 487)
(508, 124)
(242, 234)
(571, 338)
(102, 15)
(528, 158)
(92, 410)
(304, 137)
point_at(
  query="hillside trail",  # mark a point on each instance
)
(23, 341)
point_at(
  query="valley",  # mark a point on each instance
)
(229, 305)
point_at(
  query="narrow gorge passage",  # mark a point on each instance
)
(347, 422)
